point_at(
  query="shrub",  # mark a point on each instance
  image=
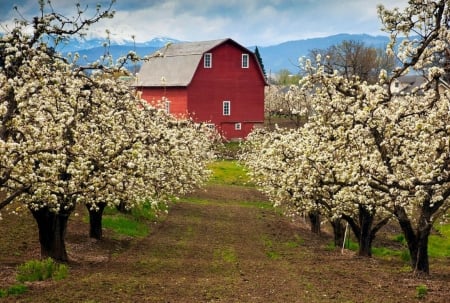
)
(421, 291)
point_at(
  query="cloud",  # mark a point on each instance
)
(251, 22)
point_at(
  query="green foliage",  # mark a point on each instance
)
(421, 291)
(258, 56)
(13, 290)
(229, 172)
(285, 77)
(40, 270)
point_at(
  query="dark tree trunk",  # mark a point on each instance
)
(417, 240)
(314, 219)
(338, 232)
(122, 207)
(52, 231)
(95, 220)
(365, 237)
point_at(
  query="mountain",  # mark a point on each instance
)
(91, 50)
(274, 57)
(286, 55)
(76, 44)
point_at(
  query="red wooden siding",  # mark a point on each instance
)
(228, 81)
(176, 95)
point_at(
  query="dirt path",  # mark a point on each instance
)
(225, 250)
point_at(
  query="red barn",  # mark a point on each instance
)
(218, 82)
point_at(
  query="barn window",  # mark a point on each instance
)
(207, 60)
(244, 60)
(226, 108)
(237, 126)
(167, 106)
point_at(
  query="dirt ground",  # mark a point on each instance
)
(220, 251)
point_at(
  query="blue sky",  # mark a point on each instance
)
(249, 22)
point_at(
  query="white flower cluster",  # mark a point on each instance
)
(68, 136)
(363, 146)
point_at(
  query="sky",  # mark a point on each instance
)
(249, 22)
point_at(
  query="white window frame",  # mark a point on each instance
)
(207, 60)
(237, 126)
(167, 106)
(245, 61)
(226, 108)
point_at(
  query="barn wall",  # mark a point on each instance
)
(228, 81)
(176, 95)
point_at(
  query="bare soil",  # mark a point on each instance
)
(220, 251)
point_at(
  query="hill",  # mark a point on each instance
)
(275, 57)
(286, 55)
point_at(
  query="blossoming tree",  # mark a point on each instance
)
(69, 136)
(388, 153)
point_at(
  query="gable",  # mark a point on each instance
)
(176, 64)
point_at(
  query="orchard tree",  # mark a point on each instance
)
(287, 102)
(166, 160)
(18, 52)
(393, 152)
(298, 170)
(400, 144)
(72, 134)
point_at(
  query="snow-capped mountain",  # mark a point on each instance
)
(76, 44)
(275, 57)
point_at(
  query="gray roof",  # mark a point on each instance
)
(174, 64)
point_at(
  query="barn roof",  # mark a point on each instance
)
(175, 64)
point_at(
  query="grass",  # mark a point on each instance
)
(126, 225)
(439, 245)
(40, 270)
(201, 201)
(13, 290)
(271, 253)
(421, 291)
(35, 270)
(134, 223)
(229, 172)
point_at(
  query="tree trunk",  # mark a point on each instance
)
(52, 231)
(121, 207)
(365, 237)
(314, 219)
(362, 229)
(417, 240)
(95, 220)
(338, 232)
